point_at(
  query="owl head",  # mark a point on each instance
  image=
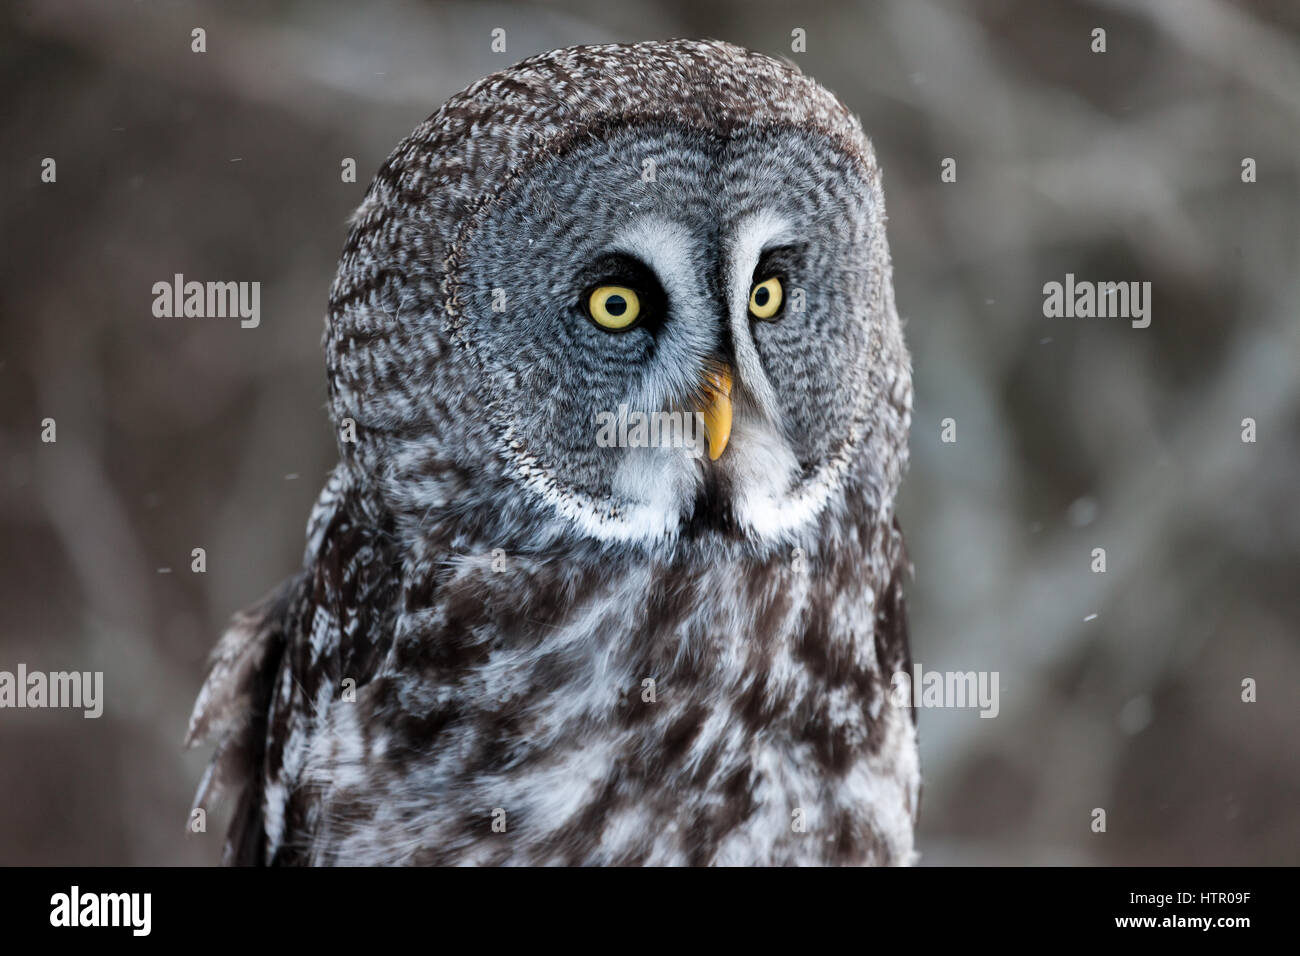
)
(624, 294)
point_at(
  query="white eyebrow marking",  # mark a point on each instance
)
(752, 236)
(672, 252)
(663, 245)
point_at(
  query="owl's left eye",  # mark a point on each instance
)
(765, 298)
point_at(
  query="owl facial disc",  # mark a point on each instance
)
(744, 290)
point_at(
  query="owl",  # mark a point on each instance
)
(529, 629)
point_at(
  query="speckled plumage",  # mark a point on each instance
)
(498, 589)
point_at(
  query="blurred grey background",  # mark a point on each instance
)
(1072, 433)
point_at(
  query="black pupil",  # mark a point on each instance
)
(616, 305)
(761, 296)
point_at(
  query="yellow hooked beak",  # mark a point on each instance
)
(717, 410)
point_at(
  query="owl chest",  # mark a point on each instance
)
(706, 743)
(728, 728)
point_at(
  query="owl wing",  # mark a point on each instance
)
(231, 710)
(893, 643)
(893, 647)
(277, 670)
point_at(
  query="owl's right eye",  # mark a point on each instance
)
(613, 307)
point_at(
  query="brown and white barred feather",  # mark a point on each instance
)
(505, 690)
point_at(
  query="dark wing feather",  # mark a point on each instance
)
(893, 643)
(232, 711)
(279, 665)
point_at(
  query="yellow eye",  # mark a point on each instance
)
(614, 306)
(765, 299)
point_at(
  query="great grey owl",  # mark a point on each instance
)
(511, 642)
